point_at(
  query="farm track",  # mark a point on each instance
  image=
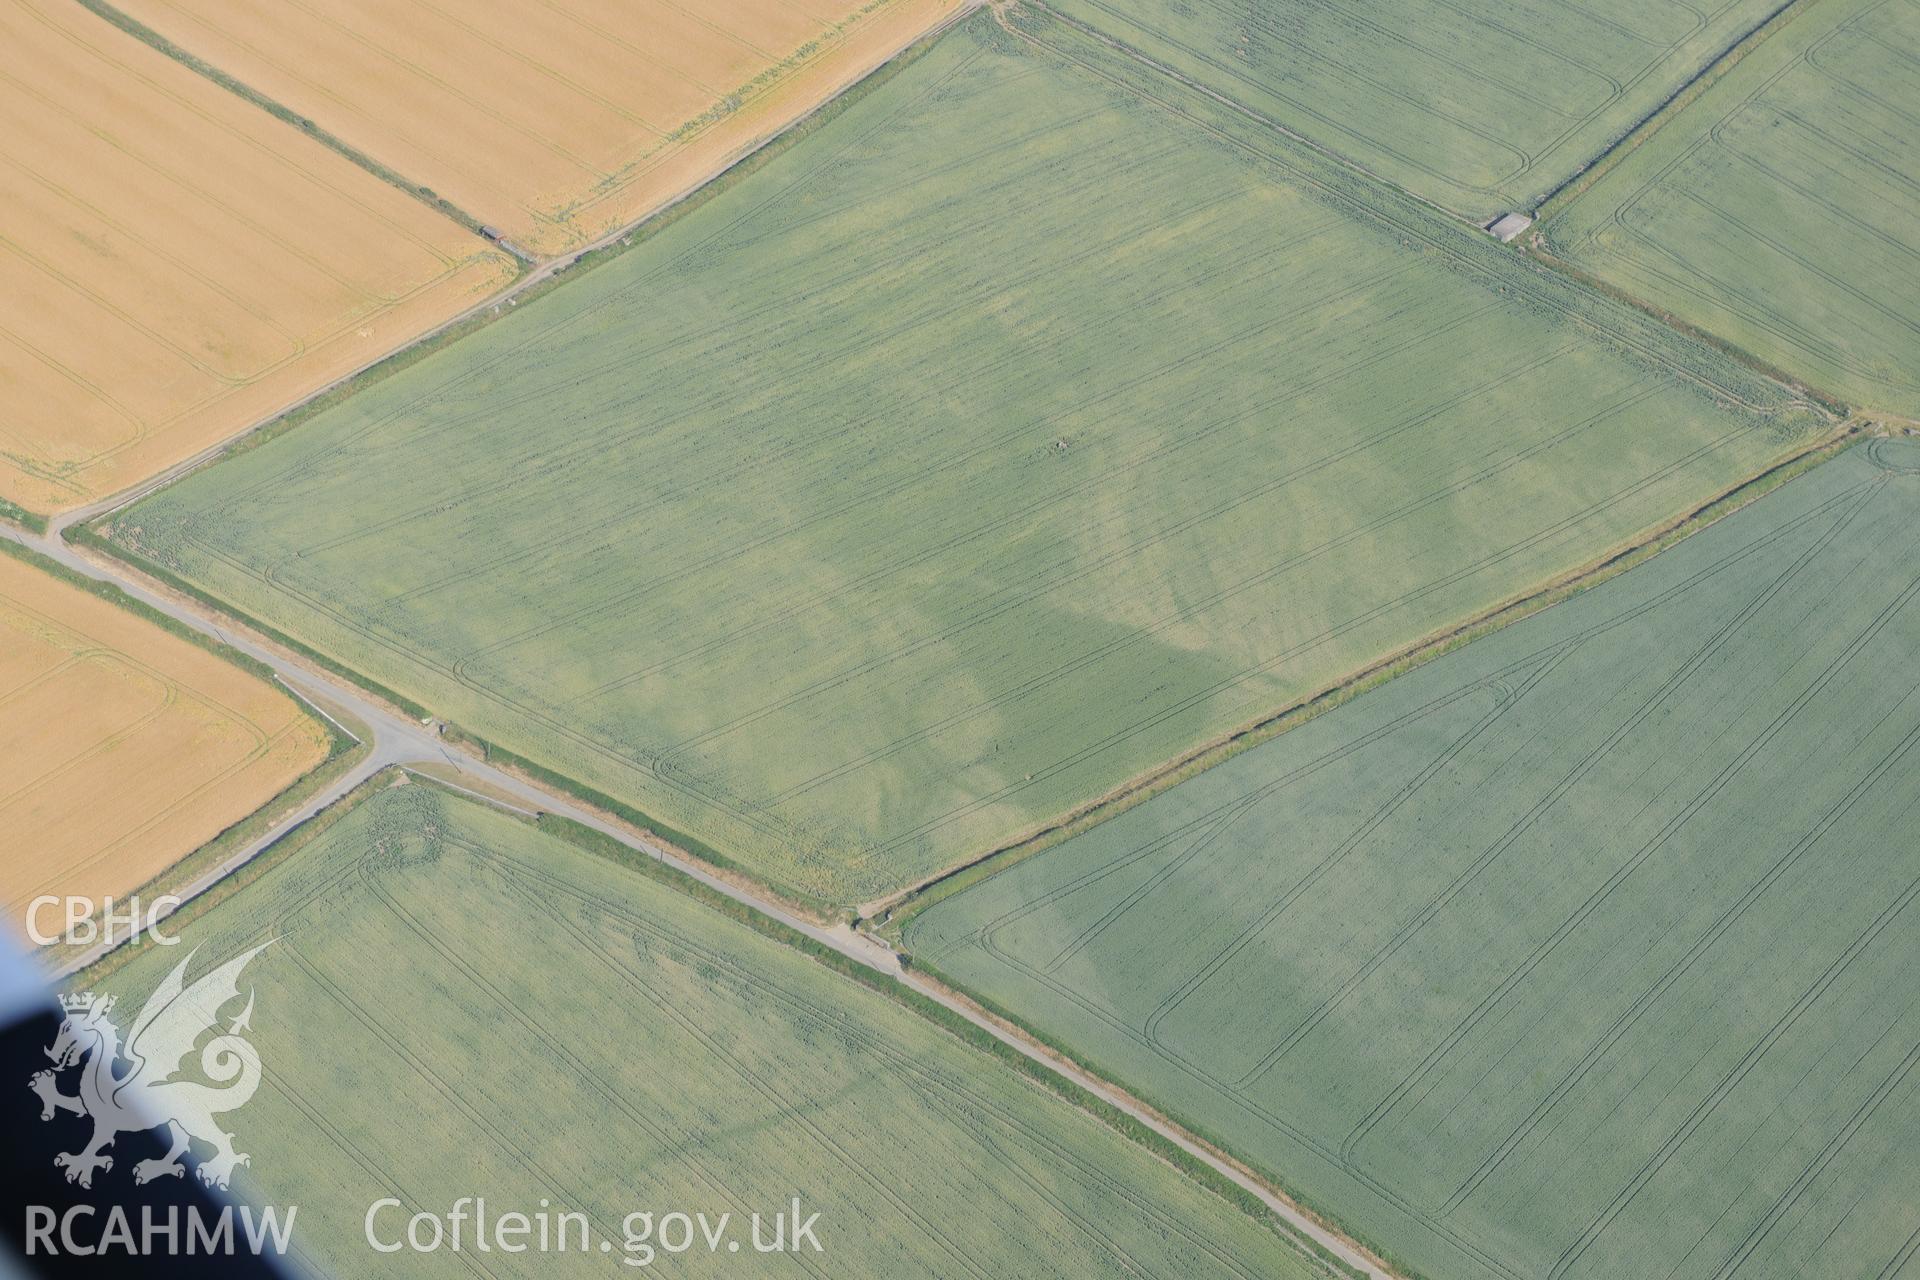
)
(399, 741)
(598, 721)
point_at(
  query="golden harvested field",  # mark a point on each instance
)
(123, 747)
(557, 121)
(178, 264)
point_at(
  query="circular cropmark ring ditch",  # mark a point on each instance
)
(1902, 457)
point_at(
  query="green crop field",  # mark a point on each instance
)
(455, 1002)
(1482, 107)
(880, 510)
(1781, 209)
(1586, 950)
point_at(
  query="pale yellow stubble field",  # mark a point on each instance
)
(556, 121)
(177, 264)
(123, 748)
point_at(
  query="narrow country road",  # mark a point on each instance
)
(397, 740)
(400, 741)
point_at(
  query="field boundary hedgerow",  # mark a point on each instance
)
(914, 901)
(889, 916)
(1586, 279)
(1117, 875)
(1214, 1143)
(1628, 332)
(200, 66)
(489, 311)
(260, 232)
(234, 881)
(1536, 242)
(897, 909)
(1474, 254)
(1630, 140)
(819, 910)
(526, 260)
(1581, 282)
(1504, 112)
(531, 282)
(15, 514)
(554, 159)
(1768, 212)
(84, 536)
(343, 755)
(629, 859)
(1558, 199)
(606, 847)
(343, 750)
(115, 595)
(1329, 154)
(615, 850)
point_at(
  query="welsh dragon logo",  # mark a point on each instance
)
(148, 1094)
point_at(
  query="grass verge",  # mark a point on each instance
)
(119, 598)
(92, 536)
(680, 842)
(1200, 1133)
(343, 755)
(230, 884)
(609, 849)
(343, 752)
(1707, 515)
(84, 536)
(591, 841)
(14, 513)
